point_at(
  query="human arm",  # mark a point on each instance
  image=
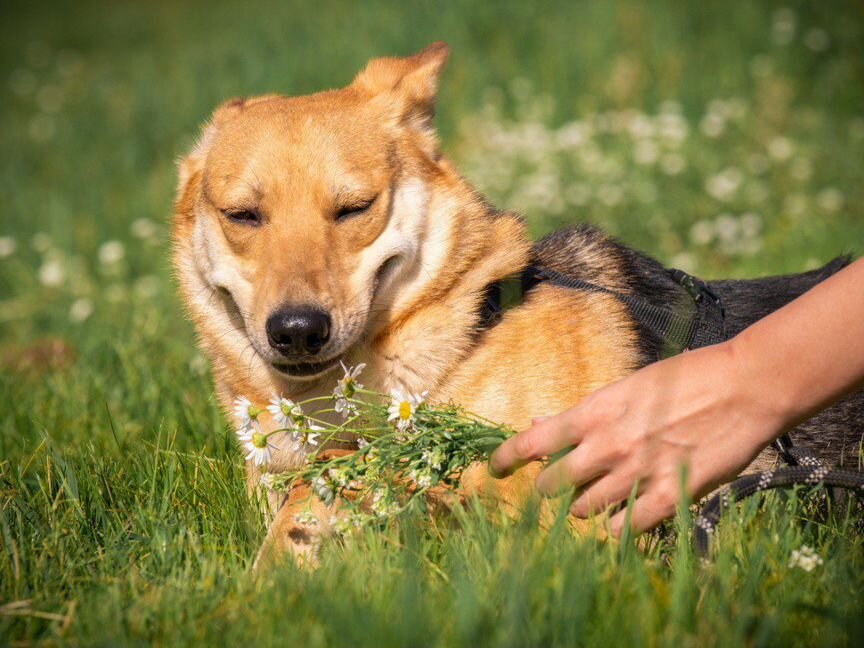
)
(713, 409)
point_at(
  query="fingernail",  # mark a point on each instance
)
(539, 419)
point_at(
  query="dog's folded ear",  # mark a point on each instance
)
(410, 84)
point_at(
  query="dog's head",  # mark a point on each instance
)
(301, 221)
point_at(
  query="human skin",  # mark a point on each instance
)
(712, 410)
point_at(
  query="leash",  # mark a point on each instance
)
(704, 326)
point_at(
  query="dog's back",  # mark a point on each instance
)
(585, 253)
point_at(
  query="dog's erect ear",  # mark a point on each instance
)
(410, 82)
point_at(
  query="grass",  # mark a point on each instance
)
(123, 516)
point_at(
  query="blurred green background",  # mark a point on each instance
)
(726, 138)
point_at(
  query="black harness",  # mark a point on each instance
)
(704, 324)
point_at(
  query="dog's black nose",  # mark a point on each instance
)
(298, 331)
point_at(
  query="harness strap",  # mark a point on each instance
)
(678, 331)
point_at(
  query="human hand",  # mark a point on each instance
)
(699, 410)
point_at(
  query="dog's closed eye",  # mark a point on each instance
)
(355, 208)
(243, 216)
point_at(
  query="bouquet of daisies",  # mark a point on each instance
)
(404, 447)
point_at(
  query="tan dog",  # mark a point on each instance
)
(330, 227)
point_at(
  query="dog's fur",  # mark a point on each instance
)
(357, 213)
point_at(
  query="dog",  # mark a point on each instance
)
(316, 229)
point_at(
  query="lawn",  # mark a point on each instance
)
(723, 138)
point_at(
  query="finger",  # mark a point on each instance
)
(605, 492)
(648, 510)
(574, 469)
(545, 437)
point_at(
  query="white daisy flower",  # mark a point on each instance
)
(286, 412)
(345, 389)
(246, 412)
(403, 406)
(258, 446)
(805, 558)
(308, 435)
(111, 252)
(8, 245)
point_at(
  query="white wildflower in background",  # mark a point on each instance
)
(672, 127)
(148, 286)
(672, 164)
(111, 252)
(817, 40)
(780, 148)
(805, 558)
(712, 125)
(684, 261)
(8, 245)
(345, 389)
(246, 413)
(402, 407)
(80, 310)
(645, 152)
(143, 228)
(783, 26)
(725, 184)
(198, 365)
(285, 412)
(830, 199)
(52, 273)
(702, 232)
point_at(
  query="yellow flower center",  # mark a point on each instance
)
(404, 410)
(253, 412)
(259, 440)
(286, 409)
